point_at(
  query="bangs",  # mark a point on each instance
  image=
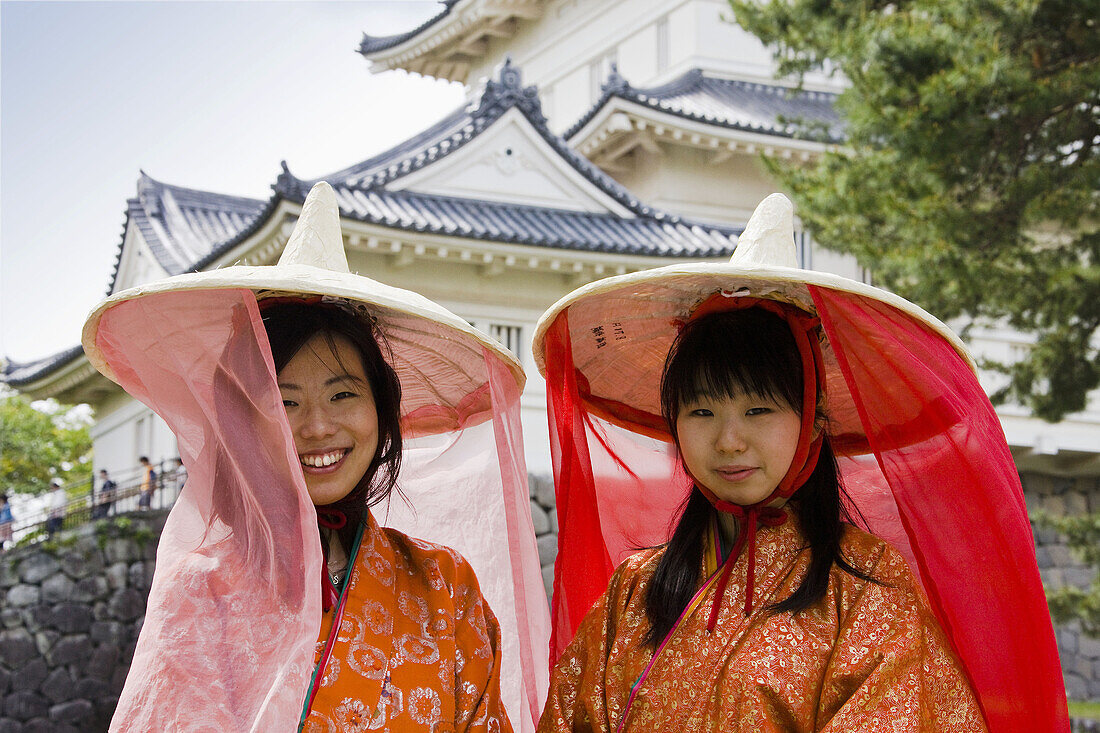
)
(730, 354)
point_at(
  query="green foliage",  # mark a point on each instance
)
(969, 177)
(1086, 710)
(41, 441)
(124, 527)
(1082, 533)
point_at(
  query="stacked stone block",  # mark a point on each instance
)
(544, 517)
(69, 620)
(1059, 567)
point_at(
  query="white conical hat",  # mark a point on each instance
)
(437, 355)
(621, 328)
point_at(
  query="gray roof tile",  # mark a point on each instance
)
(550, 228)
(372, 44)
(764, 108)
(18, 374)
(181, 225)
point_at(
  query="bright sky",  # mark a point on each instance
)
(208, 95)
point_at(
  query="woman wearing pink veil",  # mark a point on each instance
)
(745, 421)
(313, 406)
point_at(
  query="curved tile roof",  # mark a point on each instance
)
(19, 374)
(181, 225)
(371, 44)
(189, 229)
(763, 108)
(364, 195)
(550, 228)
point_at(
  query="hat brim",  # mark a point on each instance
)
(439, 357)
(621, 329)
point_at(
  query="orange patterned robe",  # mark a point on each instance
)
(866, 657)
(418, 648)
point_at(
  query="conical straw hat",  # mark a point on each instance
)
(437, 355)
(621, 327)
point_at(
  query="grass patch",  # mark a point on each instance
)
(1085, 710)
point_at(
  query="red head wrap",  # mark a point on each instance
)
(803, 327)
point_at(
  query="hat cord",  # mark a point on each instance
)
(747, 518)
(329, 519)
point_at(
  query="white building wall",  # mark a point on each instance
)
(637, 57)
(125, 430)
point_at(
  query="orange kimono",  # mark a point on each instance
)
(866, 657)
(417, 648)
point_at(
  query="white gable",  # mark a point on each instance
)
(511, 163)
(137, 265)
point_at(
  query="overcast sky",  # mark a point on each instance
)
(208, 95)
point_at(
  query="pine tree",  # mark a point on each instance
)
(969, 177)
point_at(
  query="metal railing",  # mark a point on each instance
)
(94, 504)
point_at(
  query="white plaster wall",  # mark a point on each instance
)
(684, 180)
(682, 26)
(138, 264)
(638, 55)
(555, 52)
(509, 163)
(125, 430)
(825, 260)
(571, 98)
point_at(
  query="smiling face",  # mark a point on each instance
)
(738, 446)
(332, 415)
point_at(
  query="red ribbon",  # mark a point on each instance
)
(329, 519)
(748, 516)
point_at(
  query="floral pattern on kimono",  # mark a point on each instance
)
(418, 648)
(869, 656)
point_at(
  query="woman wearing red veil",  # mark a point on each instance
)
(849, 548)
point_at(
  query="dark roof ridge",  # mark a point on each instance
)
(696, 80)
(371, 44)
(146, 204)
(196, 195)
(18, 374)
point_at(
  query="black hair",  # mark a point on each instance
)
(750, 351)
(289, 326)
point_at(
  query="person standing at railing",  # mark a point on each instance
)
(177, 477)
(5, 521)
(57, 501)
(105, 497)
(148, 483)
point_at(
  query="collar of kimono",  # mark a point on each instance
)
(331, 598)
(767, 511)
(329, 519)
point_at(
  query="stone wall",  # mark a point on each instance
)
(1058, 566)
(71, 613)
(544, 517)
